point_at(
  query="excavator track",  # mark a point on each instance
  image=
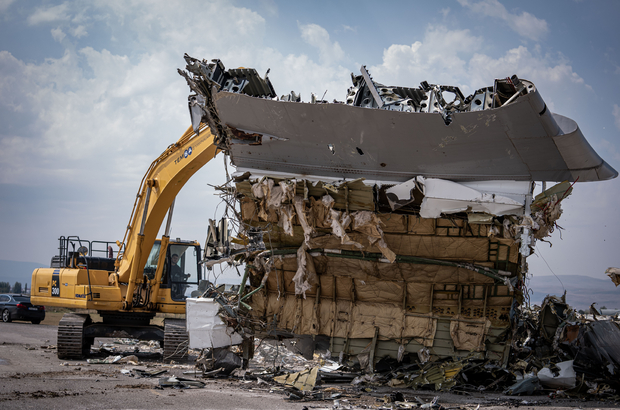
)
(71, 342)
(176, 340)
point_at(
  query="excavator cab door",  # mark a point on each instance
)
(182, 270)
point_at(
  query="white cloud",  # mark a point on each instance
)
(270, 7)
(445, 11)
(58, 34)
(317, 78)
(524, 24)
(453, 57)
(5, 4)
(555, 69)
(30, 92)
(69, 18)
(95, 118)
(439, 58)
(610, 150)
(79, 31)
(163, 25)
(110, 109)
(49, 14)
(318, 37)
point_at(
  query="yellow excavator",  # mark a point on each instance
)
(143, 276)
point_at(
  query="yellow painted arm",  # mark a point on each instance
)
(158, 189)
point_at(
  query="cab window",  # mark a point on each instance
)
(183, 270)
(151, 263)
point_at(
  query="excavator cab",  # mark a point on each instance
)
(182, 272)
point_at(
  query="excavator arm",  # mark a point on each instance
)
(158, 189)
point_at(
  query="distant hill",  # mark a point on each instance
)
(13, 271)
(581, 291)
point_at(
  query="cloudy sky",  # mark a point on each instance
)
(89, 96)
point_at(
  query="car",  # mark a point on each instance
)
(18, 307)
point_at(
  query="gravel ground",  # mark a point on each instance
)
(32, 377)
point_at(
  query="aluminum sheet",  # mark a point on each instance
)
(519, 141)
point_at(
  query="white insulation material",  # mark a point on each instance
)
(566, 379)
(443, 196)
(205, 327)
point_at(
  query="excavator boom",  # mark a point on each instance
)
(126, 291)
(115, 288)
(158, 189)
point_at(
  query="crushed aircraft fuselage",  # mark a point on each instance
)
(396, 221)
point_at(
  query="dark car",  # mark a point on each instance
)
(18, 307)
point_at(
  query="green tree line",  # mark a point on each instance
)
(5, 287)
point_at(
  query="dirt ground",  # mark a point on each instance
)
(32, 377)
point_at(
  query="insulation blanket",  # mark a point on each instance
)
(342, 318)
(433, 247)
(468, 334)
(205, 327)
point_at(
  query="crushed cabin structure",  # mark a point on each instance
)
(394, 222)
(342, 265)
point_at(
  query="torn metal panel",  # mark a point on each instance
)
(556, 193)
(553, 312)
(402, 194)
(598, 350)
(490, 198)
(221, 247)
(473, 147)
(180, 382)
(515, 137)
(546, 210)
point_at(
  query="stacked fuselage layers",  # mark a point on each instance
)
(339, 263)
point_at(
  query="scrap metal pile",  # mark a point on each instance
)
(393, 228)
(556, 348)
(554, 352)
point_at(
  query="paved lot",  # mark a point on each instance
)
(32, 377)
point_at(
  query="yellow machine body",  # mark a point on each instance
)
(130, 285)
